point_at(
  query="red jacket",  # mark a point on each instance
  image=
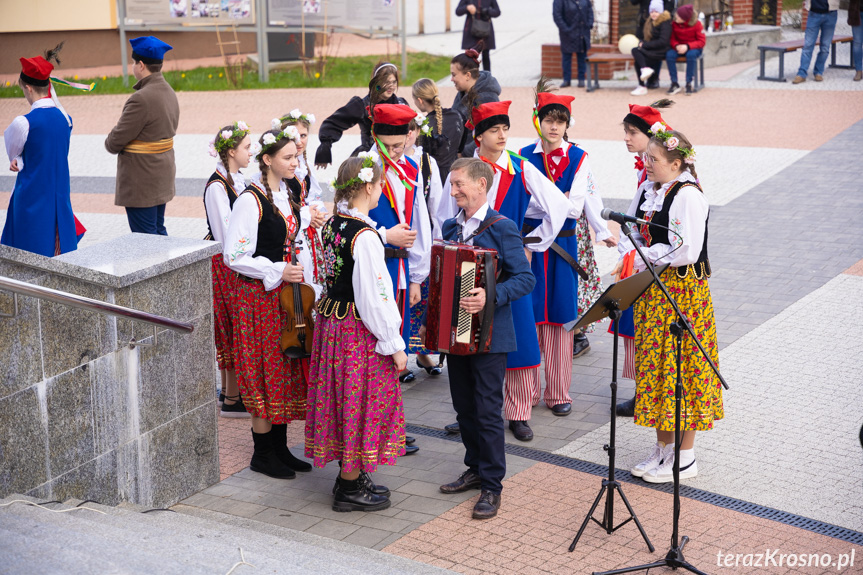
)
(692, 36)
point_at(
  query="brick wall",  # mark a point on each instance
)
(551, 61)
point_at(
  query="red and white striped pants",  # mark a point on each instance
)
(523, 386)
(628, 357)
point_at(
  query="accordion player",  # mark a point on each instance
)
(455, 270)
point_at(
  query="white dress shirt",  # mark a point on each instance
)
(472, 224)
(435, 191)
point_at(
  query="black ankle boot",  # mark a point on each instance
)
(366, 479)
(279, 435)
(265, 460)
(355, 496)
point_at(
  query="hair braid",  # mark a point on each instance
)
(265, 170)
(438, 114)
(223, 155)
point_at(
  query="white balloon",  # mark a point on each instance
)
(627, 43)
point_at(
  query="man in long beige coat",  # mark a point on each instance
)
(144, 141)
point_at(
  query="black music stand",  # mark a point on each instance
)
(613, 301)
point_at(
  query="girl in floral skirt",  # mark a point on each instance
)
(263, 223)
(671, 197)
(232, 146)
(355, 412)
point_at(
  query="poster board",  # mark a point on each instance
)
(359, 14)
(188, 12)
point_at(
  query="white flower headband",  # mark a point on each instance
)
(672, 143)
(295, 115)
(366, 175)
(228, 138)
(269, 138)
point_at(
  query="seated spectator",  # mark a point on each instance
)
(687, 39)
(655, 41)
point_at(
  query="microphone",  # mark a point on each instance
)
(621, 219)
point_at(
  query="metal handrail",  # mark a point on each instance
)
(81, 302)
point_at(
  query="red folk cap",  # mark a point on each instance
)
(392, 119)
(487, 115)
(36, 71)
(547, 102)
(643, 117)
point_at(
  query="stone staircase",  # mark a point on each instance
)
(130, 539)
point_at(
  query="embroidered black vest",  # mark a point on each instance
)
(339, 234)
(272, 227)
(232, 197)
(701, 268)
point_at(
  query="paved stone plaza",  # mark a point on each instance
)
(780, 165)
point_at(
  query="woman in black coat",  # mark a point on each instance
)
(655, 42)
(482, 10)
(574, 20)
(382, 90)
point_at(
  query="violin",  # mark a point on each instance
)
(297, 302)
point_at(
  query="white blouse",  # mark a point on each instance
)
(687, 216)
(217, 204)
(241, 240)
(373, 288)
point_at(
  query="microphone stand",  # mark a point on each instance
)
(674, 558)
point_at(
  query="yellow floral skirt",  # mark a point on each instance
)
(655, 366)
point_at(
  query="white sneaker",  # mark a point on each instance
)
(651, 462)
(639, 91)
(664, 473)
(646, 73)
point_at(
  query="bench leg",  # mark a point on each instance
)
(592, 79)
(781, 76)
(833, 63)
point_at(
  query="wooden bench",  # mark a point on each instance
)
(783, 48)
(594, 60)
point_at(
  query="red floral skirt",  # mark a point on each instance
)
(273, 386)
(224, 286)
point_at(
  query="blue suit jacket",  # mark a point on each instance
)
(516, 279)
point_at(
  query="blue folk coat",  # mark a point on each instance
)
(515, 282)
(40, 209)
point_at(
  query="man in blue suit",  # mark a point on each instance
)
(476, 381)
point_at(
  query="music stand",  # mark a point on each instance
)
(614, 300)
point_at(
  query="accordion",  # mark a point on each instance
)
(455, 270)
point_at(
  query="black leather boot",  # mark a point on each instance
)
(626, 408)
(355, 496)
(266, 461)
(279, 435)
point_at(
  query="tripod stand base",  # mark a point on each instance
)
(608, 515)
(674, 559)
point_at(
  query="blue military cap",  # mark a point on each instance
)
(149, 49)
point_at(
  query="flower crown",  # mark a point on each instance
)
(423, 125)
(366, 175)
(294, 114)
(228, 138)
(672, 143)
(270, 139)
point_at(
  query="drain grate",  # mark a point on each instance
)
(834, 531)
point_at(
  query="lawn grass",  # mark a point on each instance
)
(350, 72)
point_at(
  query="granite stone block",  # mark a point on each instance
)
(23, 443)
(183, 457)
(113, 421)
(125, 328)
(70, 420)
(20, 348)
(195, 365)
(70, 336)
(157, 398)
(180, 295)
(96, 479)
